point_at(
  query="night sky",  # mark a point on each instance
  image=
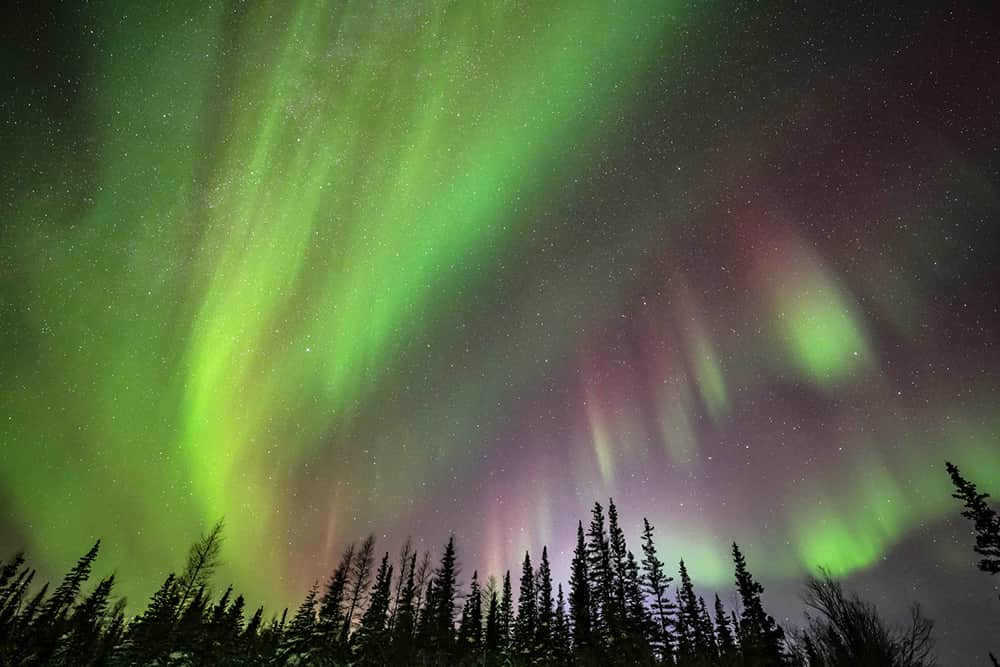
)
(330, 268)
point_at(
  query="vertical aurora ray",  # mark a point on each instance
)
(604, 445)
(703, 360)
(362, 251)
(296, 214)
(817, 322)
(675, 413)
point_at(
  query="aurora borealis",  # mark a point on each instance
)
(332, 268)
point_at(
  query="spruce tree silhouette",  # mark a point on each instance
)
(706, 630)
(692, 643)
(331, 608)
(43, 636)
(405, 556)
(84, 626)
(527, 614)
(112, 633)
(298, 639)
(506, 617)
(359, 576)
(441, 604)
(580, 606)
(15, 578)
(422, 587)
(189, 628)
(370, 646)
(639, 625)
(601, 584)
(760, 637)
(149, 638)
(544, 650)
(985, 521)
(470, 629)
(619, 613)
(251, 635)
(656, 583)
(561, 639)
(204, 557)
(404, 626)
(616, 546)
(491, 637)
(723, 634)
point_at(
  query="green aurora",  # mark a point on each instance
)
(323, 268)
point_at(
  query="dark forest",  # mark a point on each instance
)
(617, 609)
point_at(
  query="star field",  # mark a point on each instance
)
(327, 269)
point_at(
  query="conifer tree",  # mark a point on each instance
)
(297, 640)
(359, 577)
(232, 629)
(544, 610)
(601, 582)
(618, 549)
(985, 520)
(203, 559)
(406, 553)
(251, 634)
(218, 613)
(442, 603)
(561, 641)
(55, 609)
(190, 627)
(421, 578)
(734, 623)
(527, 614)
(425, 619)
(272, 636)
(202, 632)
(8, 572)
(639, 626)
(656, 583)
(506, 615)
(685, 650)
(706, 630)
(371, 644)
(331, 605)
(471, 627)
(491, 639)
(691, 631)
(760, 637)
(84, 634)
(487, 591)
(151, 633)
(269, 640)
(14, 581)
(579, 598)
(30, 613)
(403, 629)
(112, 635)
(723, 634)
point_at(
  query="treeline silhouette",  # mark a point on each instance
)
(618, 609)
